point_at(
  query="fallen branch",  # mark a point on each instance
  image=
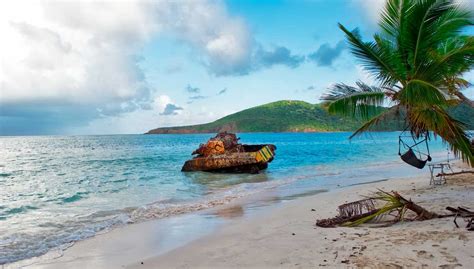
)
(362, 211)
(467, 215)
(454, 173)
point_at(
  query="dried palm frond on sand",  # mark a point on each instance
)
(393, 207)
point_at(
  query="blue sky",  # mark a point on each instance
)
(101, 68)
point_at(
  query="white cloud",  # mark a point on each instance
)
(86, 54)
(69, 52)
(370, 9)
(223, 42)
(88, 49)
(160, 102)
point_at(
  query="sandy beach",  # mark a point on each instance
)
(284, 235)
(288, 238)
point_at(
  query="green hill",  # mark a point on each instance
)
(464, 113)
(291, 116)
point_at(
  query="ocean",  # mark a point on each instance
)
(55, 190)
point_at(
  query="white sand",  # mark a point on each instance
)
(268, 241)
(285, 236)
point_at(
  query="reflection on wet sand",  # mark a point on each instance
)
(298, 195)
(230, 212)
(248, 206)
(221, 180)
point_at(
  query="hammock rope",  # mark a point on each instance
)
(409, 156)
(417, 150)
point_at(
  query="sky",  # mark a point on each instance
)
(123, 67)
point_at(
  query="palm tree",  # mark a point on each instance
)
(418, 59)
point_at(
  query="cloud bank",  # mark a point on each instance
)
(66, 63)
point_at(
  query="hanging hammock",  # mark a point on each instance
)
(413, 155)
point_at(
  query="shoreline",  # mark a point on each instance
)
(243, 224)
(288, 238)
(282, 184)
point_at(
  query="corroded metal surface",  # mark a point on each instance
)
(223, 153)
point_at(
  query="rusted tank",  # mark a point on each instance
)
(223, 153)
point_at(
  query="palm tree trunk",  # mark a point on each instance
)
(422, 214)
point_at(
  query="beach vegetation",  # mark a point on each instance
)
(418, 59)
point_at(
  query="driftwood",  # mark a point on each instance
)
(362, 211)
(454, 173)
(422, 214)
(467, 215)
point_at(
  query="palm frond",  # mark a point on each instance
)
(437, 120)
(394, 23)
(451, 60)
(361, 101)
(419, 92)
(419, 58)
(393, 17)
(424, 15)
(392, 202)
(446, 20)
(391, 114)
(394, 54)
(434, 23)
(374, 60)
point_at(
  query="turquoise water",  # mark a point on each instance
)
(55, 190)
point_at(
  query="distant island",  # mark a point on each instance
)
(294, 116)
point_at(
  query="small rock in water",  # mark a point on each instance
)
(312, 209)
(293, 234)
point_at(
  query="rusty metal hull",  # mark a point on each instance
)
(241, 162)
